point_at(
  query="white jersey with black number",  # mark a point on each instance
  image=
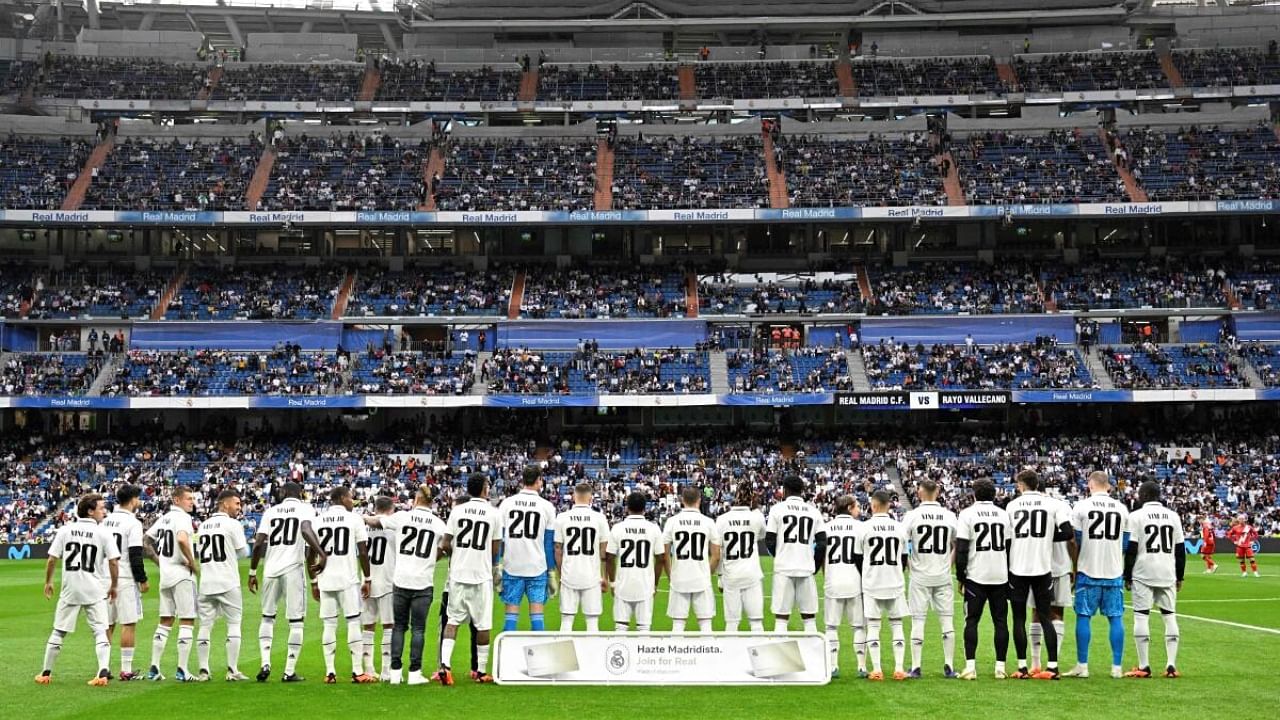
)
(689, 536)
(842, 577)
(474, 525)
(1158, 532)
(282, 526)
(341, 532)
(579, 532)
(932, 531)
(414, 546)
(526, 518)
(1101, 522)
(164, 533)
(636, 543)
(740, 530)
(126, 533)
(80, 547)
(796, 524)
(987, 528)
(219, 545)
(882, 545)
(1060, 563)
(1035, 518)
(382, 561)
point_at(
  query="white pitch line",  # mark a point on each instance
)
(1229, 600)
(1243, 626)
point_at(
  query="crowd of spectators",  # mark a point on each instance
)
(517, 174)
(1089, 71)
(49, 373)
(934, 76)
(1101, 285)
(134, 78)
(431, 292)
(948, 288)
(188, 174)
(283, 370)
(314, 82)
(1203, 163)
(1255, 281)
(589, 370)
(256, 293)
(796, 79)
(803, 369)
(1042, 364)
(36, 172)
(568, 83)
(400, 373)
(876, 171)
(91, 291)
(722, 294)
(1265, 359)
(1226, 67)
(1149, 366)
(347, 172)
(418, 80)
(1058, 166)
(689, 172)
(603, 293)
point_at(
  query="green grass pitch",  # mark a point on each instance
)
(1226, 669)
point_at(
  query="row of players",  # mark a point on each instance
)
(379, 569)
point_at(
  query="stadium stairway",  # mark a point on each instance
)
(434, 166)
(604, 175)
(691, 303)
(864, 282)
(478, 387)
(261, 178)
(175, 284)
(895, 481)
(369, 84)
(517, 297)
(215, 77)
(1132, 189)
(1050, 305)
(1006, 74)
(1276, 129)
(858, 371)
(75, 195)
(1229, 292)
(106, 374)
(1249, 372)
(951, 180)
(343, 297)
(848, 86)
(1098, 371)
(1171, 70)
(778, 199)
(528, 86)
(719, 367)
(688, 85)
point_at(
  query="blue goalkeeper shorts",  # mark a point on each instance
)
(1094, 596)
(514, 589)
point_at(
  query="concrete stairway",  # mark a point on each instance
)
(478, 388)
(719, 367)
(604, 176)
(106, 375)
(215, 77)
(517, 297)
(895, 481)
(691, 302)
(1229, 292)
(434, 166)
(261, 178)
(1006, 74)
(951, 180)
(76, 193)
(688, 85)
(844, 75)
(528, 86)
(864, 282)
(1249, 372)
(162, 306)
(858, 371)
(1171, 70)
(1132, 189)
(778, 198)
(343, 297)
(369, 84)
(1093, 361)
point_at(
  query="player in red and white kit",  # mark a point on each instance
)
(1244, 536)
(1207, 542)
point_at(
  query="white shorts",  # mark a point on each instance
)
(794, 594)
(1059, 593)
(229, 605)
(876, 608)
(471, 603)
(179, 601)
(341, 603)
(291, 588)
(66, 614)
(741, 601)
(126, 609)
(940, 598)
(378, 611)
(589, 600)
(641, 610)
(1146, 597)
(702, 602)
(845, 611)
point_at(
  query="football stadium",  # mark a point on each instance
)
(581, 358)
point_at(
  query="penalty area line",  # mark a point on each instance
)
(1215, 621)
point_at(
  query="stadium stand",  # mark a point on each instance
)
(1219, 67)
(919, 76)
(102, 292)
(1150, 366)
(1204, 163)
(294, 83)
(1083, 72)
(35, 173)
(875, 171)
(285, 370)
(148, 174)
(49, 373)
(731, 293)
(430, 291)
(379, 373)
(1043, 364)
(767, 80)
(518, 175)
(808, 369)
(613, 82)
(1056, 167)
(1101, 285)
(942, 288)
(95, 78)
(603, 293)
(346, 172)
(418, 80)
(689, 172)
(256, 293)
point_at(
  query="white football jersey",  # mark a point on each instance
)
(80, 547)
(882, 545)
(796, 523)
(932, 530)
(987, 528)
(126, 532)
(219, 545)
(1101, 522)
(842, 579)
(579, 531)
(1158, 532)
(282, 526)
(341, 532)
(1035, 518)
(165, 533)
(382, 560)
(637, 543)
(740, 530)
(1060, 563)
(415, 537)
(526, 518)
(474, 525)
(689, 536)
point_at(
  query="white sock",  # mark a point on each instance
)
(1142, 637)
(126, 659)
(482, 657)
(355, 644)
(873, 643)
(833, 646)
(102, 649)
(366, 659)
(185, 633)
(970, 665)
(1037, 639)
(999, 666)
(948, 641)
(446, 652)
(233, 648)
(329, 640)
(295, 648)
(384, 643)
(781, 624)
(1060, 627)
(158, 642)
(704, 625)
(202, 646)
(642, 627)
(899, 643)
(620, 627)
(756, 625)
(860, 646)
(917, 641)
(566, 622)
(266, 633)
(811, 625)
(593, 623)
(1171, 637)
(52, 648)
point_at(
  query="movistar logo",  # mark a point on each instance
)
(1193, 546)
(19, 553)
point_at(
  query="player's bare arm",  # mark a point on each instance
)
(49, 566)
(313, 544)
(259, 549)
